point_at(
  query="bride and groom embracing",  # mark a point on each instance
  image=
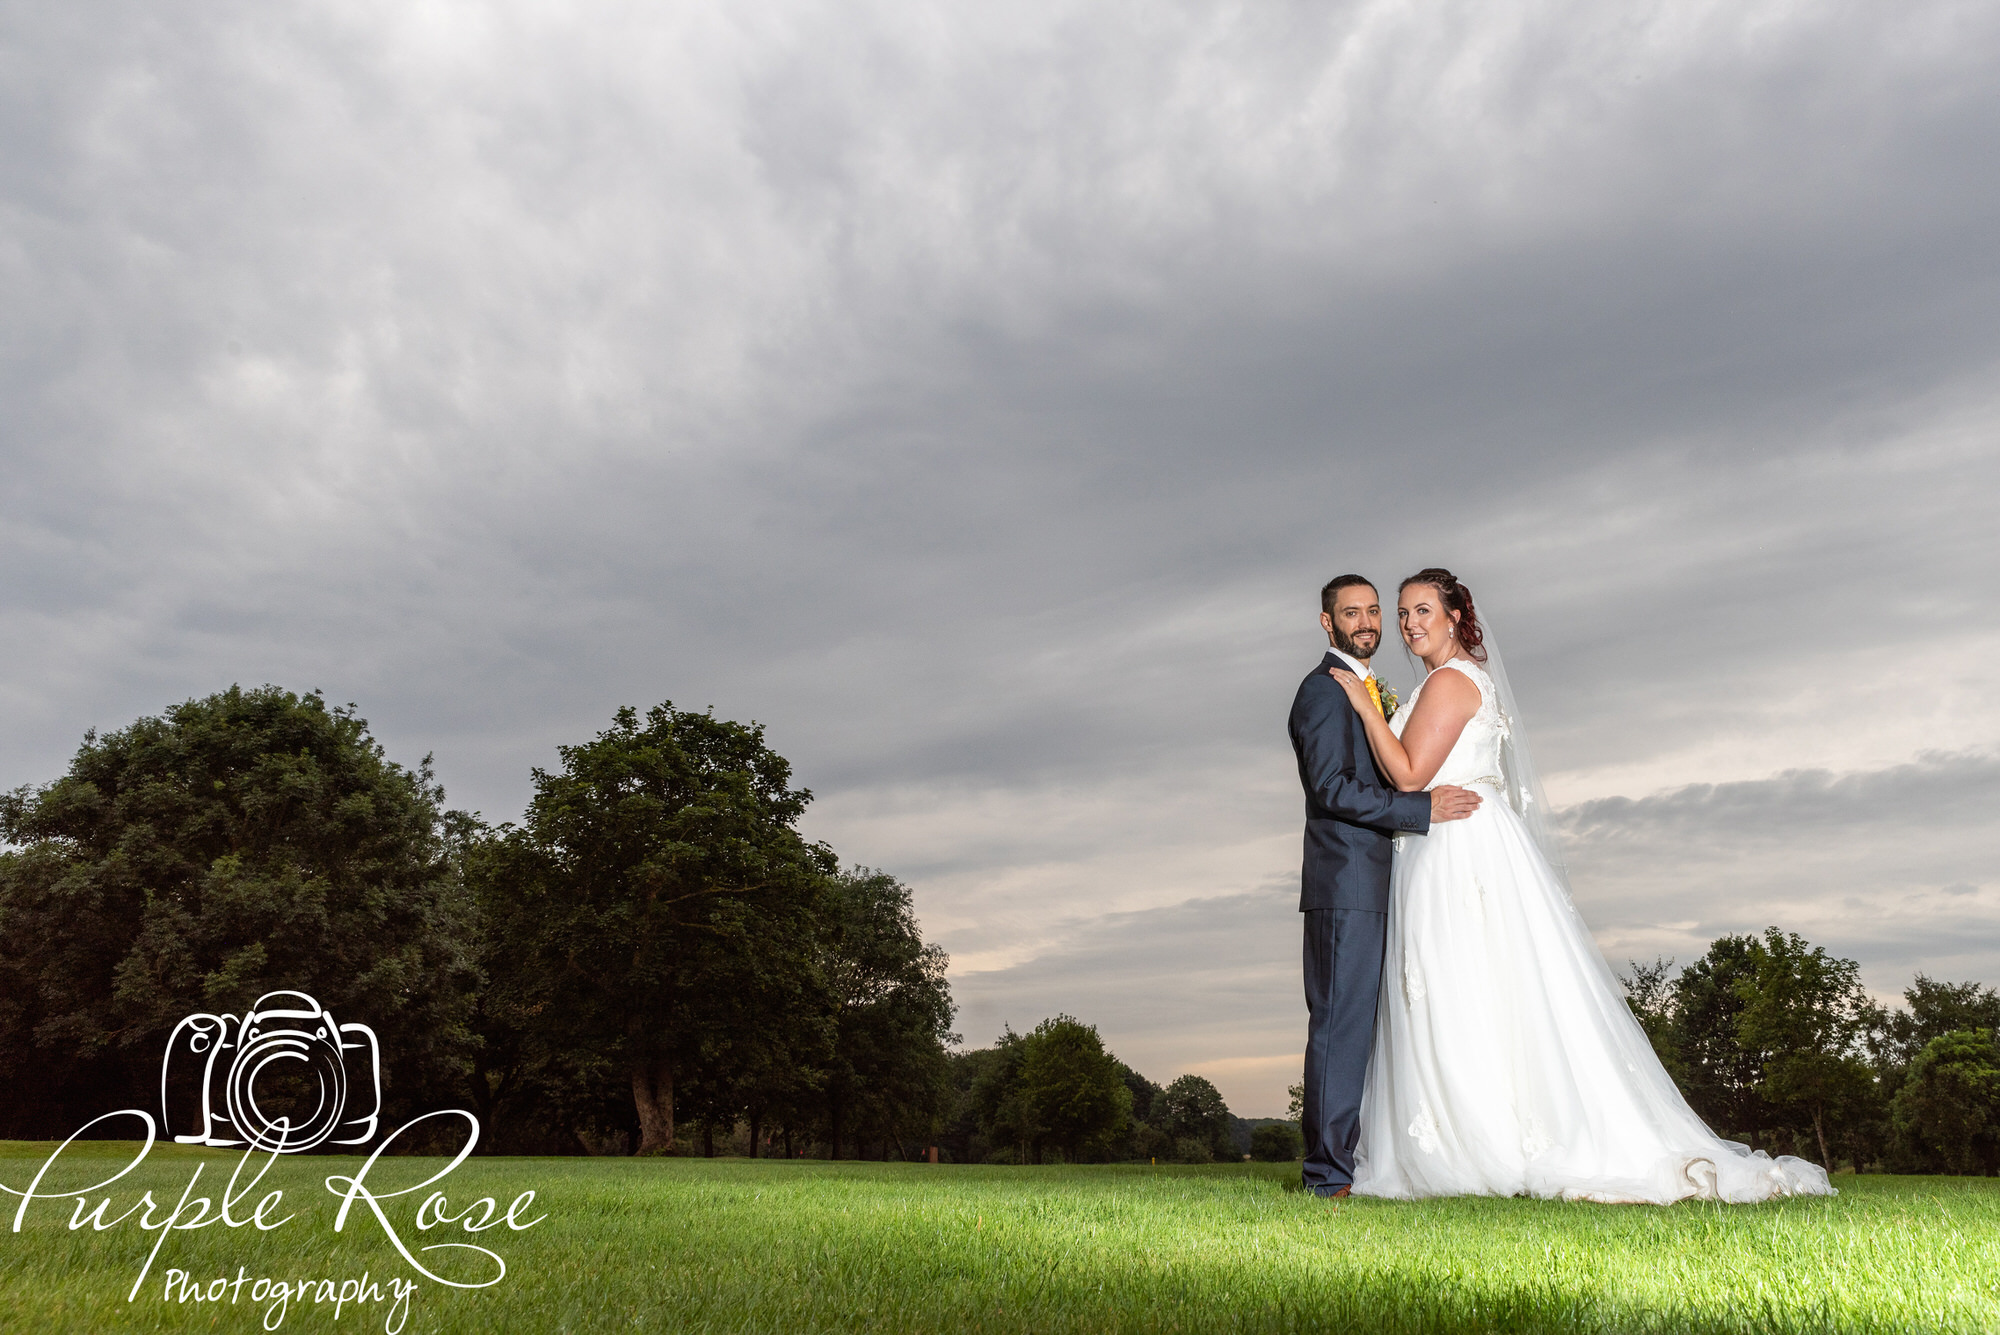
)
(1465, 1036)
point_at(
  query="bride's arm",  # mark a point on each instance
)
(1446, 705)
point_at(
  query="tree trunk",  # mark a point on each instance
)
(788, 1140)
(1825, 1159)
(653, 1095)
(708, 1140)
(833, 1128)
(756, 1130)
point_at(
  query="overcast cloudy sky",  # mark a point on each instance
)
(978, 396)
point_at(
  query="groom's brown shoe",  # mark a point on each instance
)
(1336, 1194)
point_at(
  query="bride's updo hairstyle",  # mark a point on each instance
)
(1456, 598)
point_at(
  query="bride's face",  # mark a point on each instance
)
(1426, 625)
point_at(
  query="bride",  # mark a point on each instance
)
(1506, 1061)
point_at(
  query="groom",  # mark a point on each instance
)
(1351, 811)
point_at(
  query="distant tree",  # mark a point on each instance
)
(1145, 1140)
(1005, 1115)
(764, 1016)
(1149, 1142)
(658, 869)
(779, 1071)
(243, 843)
(1054, 1089)
(1143, 1092)
(891, 1012)
(522, 1081)
(1277, 1142)
(1079, 1100)
(1936, 1009)
(1806, 1016)
(1194, 1111)
(963, 1137)
(1650, 992)
(1721, 1078)
(1949, 1106)
(1771, 1035)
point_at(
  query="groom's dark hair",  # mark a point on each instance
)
(1335, 585)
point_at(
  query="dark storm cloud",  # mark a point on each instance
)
(979, 400)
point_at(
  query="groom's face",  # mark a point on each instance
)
(1355, 624)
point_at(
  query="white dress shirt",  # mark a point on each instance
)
(1354, 664)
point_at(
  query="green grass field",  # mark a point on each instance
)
(736, 1245)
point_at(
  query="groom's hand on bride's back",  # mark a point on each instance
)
(1448, 803)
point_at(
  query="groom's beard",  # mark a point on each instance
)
(1361, 646)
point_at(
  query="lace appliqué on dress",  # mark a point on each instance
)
(1425, 1129)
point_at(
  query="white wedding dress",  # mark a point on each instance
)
(1506, 1062)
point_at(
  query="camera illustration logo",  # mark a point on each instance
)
(282, 1078)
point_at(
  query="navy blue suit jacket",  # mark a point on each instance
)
(1351, 809)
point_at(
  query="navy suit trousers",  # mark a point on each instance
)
(1343, 959)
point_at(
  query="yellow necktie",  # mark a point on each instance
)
(1374, 691)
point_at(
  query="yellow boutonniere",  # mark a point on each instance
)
(1384, 697)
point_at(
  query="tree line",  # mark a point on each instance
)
(652, 960)
(1056, 1094)
(655, 960)
(1776, 1043)
(652, 957)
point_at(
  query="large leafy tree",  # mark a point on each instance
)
(244, 843)
(537, 1088)
(971, 1074)
(1649, 991)
(1143, 1092)
(1937, 1009)
(1774, 1034)
(656, 889)
(1806, 1018)
(1001, 1107)
(1148, 1140)
(764, 1052)
(891, 1011)
(1277, 1142)
(1722, 1078)
(1949, 1106)
(1192, 1109)
(1054, 1088)
(764, 1020)
(1076, 1089)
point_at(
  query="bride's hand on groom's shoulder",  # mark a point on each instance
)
(1357, 694)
